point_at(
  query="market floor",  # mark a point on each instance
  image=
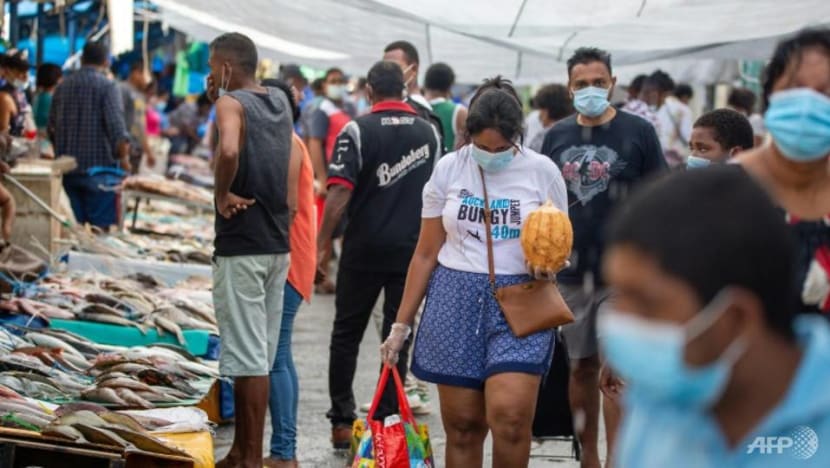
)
(311, 339)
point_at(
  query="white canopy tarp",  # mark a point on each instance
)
(526, 40)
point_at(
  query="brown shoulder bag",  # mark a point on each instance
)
(528, 307)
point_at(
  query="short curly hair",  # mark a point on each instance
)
(731, 128)
(555, 99)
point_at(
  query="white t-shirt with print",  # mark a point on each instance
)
(454, 192)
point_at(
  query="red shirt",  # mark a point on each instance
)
(303, 233)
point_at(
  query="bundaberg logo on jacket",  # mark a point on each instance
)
(388, 175)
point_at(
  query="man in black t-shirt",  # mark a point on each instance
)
(380, 165)
(602, 153)
(253, 214)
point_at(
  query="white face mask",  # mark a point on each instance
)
(335, 92)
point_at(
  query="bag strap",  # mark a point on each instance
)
(403, 404)
(490, 262)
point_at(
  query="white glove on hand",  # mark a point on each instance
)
(393, 345)
(541, 274)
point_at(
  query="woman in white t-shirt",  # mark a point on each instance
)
(488, 379)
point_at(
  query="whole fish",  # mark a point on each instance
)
(10, 394)
(102, 298)
(129, 368)
(170, 326)
(54, 357)
(22, 406)
(199, 310)
(43, 391)
(63, 432)
(42, 339)
(181, 318)
(133, 398)
(109, 375)
(81, 416)
(124, 420)
(156, 397)
(21, 362)
(103, 309)
(28, 418)
(104, 395)
(155, 377)
(174, 350)
(82, 345)
(199, 369)
(111, 319)
(125, 382)
(79, 406)
(101, 435)
(176, 371)
(40, 309)
(13, 383)
(52, 381)
(147, 422)
(146, 442)
(73, 363)
(163, 354)
(172, 392)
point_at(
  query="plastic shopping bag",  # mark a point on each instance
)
(397, 441)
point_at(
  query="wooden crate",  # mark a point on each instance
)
(45, 179)
(23, 449)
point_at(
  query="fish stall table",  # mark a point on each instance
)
(138, 196)
(45, 179)
(21, 448)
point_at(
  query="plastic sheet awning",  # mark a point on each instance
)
(526, 40)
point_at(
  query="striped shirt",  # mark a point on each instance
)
(86, 120)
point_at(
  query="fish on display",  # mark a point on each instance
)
(165, 324)
(21, 362)
(49, 341)
(146, 442)
(104, 395)
(121, 419)
(133, 399)
(81, 416)
(101, 435)
(79, 406)
(63, 432)
(111, 319)
(125, 382)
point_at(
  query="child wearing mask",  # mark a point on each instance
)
(718, 136)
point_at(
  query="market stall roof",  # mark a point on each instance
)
(527, 40)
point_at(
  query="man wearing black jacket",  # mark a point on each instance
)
(380, 165)
(406, 56)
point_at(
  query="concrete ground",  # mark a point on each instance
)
(311, 339)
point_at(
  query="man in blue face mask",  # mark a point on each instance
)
(718, 370)
(602, 153)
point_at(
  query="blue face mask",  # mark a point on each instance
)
(492, 162)
(799, 122)
(591, 101)
(696, 162)
(649, 356)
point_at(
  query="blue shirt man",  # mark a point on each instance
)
(86, 121)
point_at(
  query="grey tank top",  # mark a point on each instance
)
(262, 229)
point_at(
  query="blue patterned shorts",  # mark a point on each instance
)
(463, 337)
